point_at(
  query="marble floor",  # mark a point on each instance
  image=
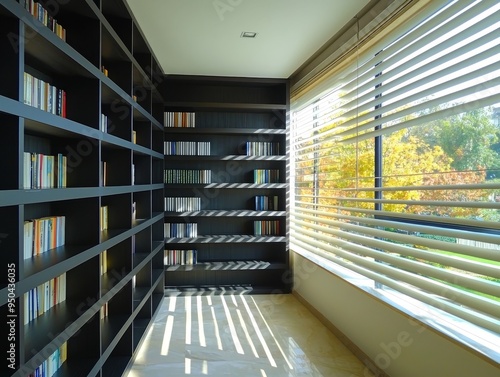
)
(240, 336)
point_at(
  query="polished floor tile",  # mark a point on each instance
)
(240, 336)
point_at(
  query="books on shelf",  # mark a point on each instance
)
(180, 204)
(50, 366)
(266, 203)
(266, 176)
(134, 136)
(266, 227)
(262, 148)
(103, 218)
(39, 300)
(42, 171)
(43, 234)
(194, 176)
(180, 257)
(104, 311)
(104, 123)
(44, 96)
(104, 70)
(41, 14)
(186, 148)
(103, 262)
(180, 230)
(179, 119)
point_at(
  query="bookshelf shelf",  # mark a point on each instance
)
(224, 238)
(222, 213)
(54, 94)
(189, 106)
(226, 174)
(225, 130)
(224, 266)
(238, 186)
(170, 158)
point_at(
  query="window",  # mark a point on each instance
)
(396, 166)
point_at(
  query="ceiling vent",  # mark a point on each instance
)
(248, 34)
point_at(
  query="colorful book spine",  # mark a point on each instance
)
(50, 366)
(41, 14)
(266, 203)
(262, 148)
(181, 204)
(186, 148)
(266, 228)
(41, 299)
(179, 119)
(44, 96)
(180, 257)
(43, 234)
(197, 176)
(180, 230)
(43, 171)
(266, 175)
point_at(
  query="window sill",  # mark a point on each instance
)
(480, 341)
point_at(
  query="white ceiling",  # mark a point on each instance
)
(202, 37)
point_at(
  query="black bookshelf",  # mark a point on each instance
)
(226, 254)
(94, 295)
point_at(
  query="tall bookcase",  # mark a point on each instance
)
(226, 183)
(110, 130)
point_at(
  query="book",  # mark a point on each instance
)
(44, 297)
(179, 119)
(42, 15)
(44, 96)
(180, 257)
(42, 235)
(104, 174)
(103, 217)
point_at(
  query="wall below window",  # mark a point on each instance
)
(398, 346)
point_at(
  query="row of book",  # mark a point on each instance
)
(186, 148)
(266, 227)
(179, 119)
(105, 122)
(176, 257)
(42, 298)
(180, 204)
(50, 366)
(266, 175)
(41, 171)
(262, 148)
(194, 176)
(180, 230)
(40, 13)
(43, 234)
(266, 203)
(44, 96)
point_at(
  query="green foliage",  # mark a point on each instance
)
(468, 138)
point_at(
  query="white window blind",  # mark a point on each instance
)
(396, 167)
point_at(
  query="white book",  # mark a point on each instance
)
(46, 289)
(27, 170)
(62, 287)
(26, 307)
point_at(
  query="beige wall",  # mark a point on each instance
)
(400, 347)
